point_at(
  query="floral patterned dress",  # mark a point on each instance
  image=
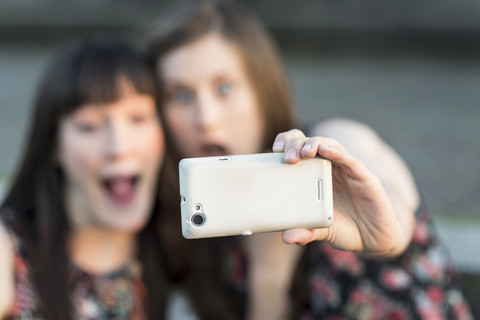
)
(115, 295)
(419, 284)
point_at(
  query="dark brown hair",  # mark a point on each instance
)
(237, 25)
(245, 32)
(259, 56)
(34, 208)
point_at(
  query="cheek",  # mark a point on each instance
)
(79, 169)
(154, 145)
(248, 122)
(179, 123)
(147, 145)
(76, 157)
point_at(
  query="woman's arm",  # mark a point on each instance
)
(6, 272)
(374, 193)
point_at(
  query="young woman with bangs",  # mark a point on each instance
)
(77, 228)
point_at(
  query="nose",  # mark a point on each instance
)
(117, 142)
(208, 111)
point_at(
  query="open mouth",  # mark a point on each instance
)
(210, 150)
(121, 189)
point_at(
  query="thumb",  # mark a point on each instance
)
(303, 236)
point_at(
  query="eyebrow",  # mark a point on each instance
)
(176, 83)
(215, 76)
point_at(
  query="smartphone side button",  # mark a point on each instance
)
(319, 190)
(247, 233)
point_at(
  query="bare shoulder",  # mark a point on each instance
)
(6, 271)
(349, 133)
(366, 145)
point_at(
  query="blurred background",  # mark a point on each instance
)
(409, 69)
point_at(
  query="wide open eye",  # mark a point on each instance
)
(181, 96)
(87, 119)
(139, 118)
(87, 126)
(224, 88)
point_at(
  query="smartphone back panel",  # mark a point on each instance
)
(245, 194)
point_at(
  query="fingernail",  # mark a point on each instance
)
(307, 147)
(279, 145)
(291, 154)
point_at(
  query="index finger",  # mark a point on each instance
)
(282, 139)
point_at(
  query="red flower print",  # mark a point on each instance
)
(435, 294)
(394, 279)
(460, 308)
(426, 308)
(327, 290)
(342, 260)
(420, 234)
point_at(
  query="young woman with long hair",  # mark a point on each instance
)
(77, 227)
(223, 91)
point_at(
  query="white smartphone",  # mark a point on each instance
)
(245, 194)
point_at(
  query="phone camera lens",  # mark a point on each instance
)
(198, 219)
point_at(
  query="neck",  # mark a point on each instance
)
(271, 267)
(97, 250)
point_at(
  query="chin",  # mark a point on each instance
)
(128, 222)
(135, 224)
(128, 218)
